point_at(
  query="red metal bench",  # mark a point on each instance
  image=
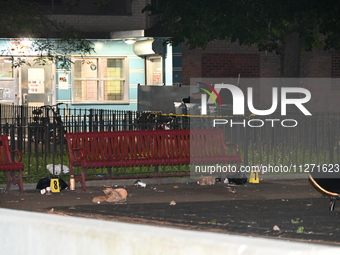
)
(9, 165)
(148, 148)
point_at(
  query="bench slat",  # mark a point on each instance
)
(149, 148)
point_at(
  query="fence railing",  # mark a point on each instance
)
(262, 140)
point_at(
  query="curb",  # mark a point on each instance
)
(158, 181)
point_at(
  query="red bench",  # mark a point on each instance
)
(148, 148)
(9, 165)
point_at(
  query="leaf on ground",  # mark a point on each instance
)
(300, 230)
(296, 221)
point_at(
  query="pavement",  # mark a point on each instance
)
(280, 207)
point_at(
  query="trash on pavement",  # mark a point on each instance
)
(206, 181)
(172, 203)
(238, 178)
(140, 184)
(48, 191)
(158, 190)
(218, 179)
(52, 211)
(231, 190)
(276, 228)
(72, 182)
(99, 199)
(111, 196)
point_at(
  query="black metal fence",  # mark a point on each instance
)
(296, 141)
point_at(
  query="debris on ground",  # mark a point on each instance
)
(276, 228)
(300, 230)
(52, 211)
(231, 190)
(297, 220)
(158, 190)
(218, 179)
(111, 196)
(99, 199)
(206, 181)
(238, 178)
(172, 203)
(48, 191)
(140, 184)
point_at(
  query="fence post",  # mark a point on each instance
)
(90, 120)
(245, 155)
(130, 120)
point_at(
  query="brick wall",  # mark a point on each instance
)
(230, 65)
(227, 60)
(335, 65)
(315, 64)
(221, 58)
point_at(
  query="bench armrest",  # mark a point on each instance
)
(19, 156)
(236, 149)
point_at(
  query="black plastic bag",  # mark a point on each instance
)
(238, 178)
(45, 182)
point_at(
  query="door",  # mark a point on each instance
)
(37, 86)
(154, 70)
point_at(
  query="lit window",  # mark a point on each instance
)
(99, 80)
(6, 69)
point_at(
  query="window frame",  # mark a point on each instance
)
(8, 78)
(100, 80)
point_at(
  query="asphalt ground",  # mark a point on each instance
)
(290, 209)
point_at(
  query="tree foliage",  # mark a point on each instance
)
(268, 24)
(51, 40)
(252, 22)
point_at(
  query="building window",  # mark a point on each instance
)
(99, 80)
(6, 69)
